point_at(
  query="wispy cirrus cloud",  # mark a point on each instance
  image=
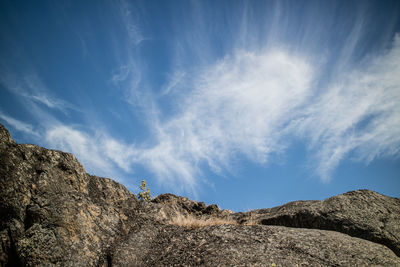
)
(240, 105)
(99, 152)
(19, 125)
(120, 75)
(129, 17)
(359, 112)
(127, 74)
(173, 81)
(255, 104)
(31, 89)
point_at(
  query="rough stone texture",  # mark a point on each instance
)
(52, 213)
(166, 206)
(364, 214)
(228, 245)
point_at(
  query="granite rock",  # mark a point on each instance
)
(52, 213)
(364, 214)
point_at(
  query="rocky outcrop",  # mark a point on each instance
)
(52, 213)
(227, 245)
(364, 214)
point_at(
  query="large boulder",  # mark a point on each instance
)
(54, 213)
(230, 245)
(364, 214)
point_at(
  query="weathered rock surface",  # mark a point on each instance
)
(364, 214)
(228, 245)
(52, 213)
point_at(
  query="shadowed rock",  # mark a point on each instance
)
(52, 213)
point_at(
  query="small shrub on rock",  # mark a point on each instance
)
(144, 196)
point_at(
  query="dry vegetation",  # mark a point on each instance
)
(190, 221)
(193, 222)
(251, 220)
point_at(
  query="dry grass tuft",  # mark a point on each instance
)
(252, 219)
(193, 222)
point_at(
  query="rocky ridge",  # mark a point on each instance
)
(52, 213)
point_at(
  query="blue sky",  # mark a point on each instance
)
(247, 104)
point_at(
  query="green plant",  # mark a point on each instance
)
(144, 195)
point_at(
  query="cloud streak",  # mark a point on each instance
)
(255, 104)
(241, 105)
(98, 152)
(359, 113)
(33, 91)
(19, 125)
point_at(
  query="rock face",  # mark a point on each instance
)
(52, 213)
(363, 214)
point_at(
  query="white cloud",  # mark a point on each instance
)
(33, 90)
(120, 75)
(240, 105)
(84, 147)
(360, 113)
(121, 154)
(19, 125)
(254, 104)
(175, 79)
(129, 17)
(98, 153)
